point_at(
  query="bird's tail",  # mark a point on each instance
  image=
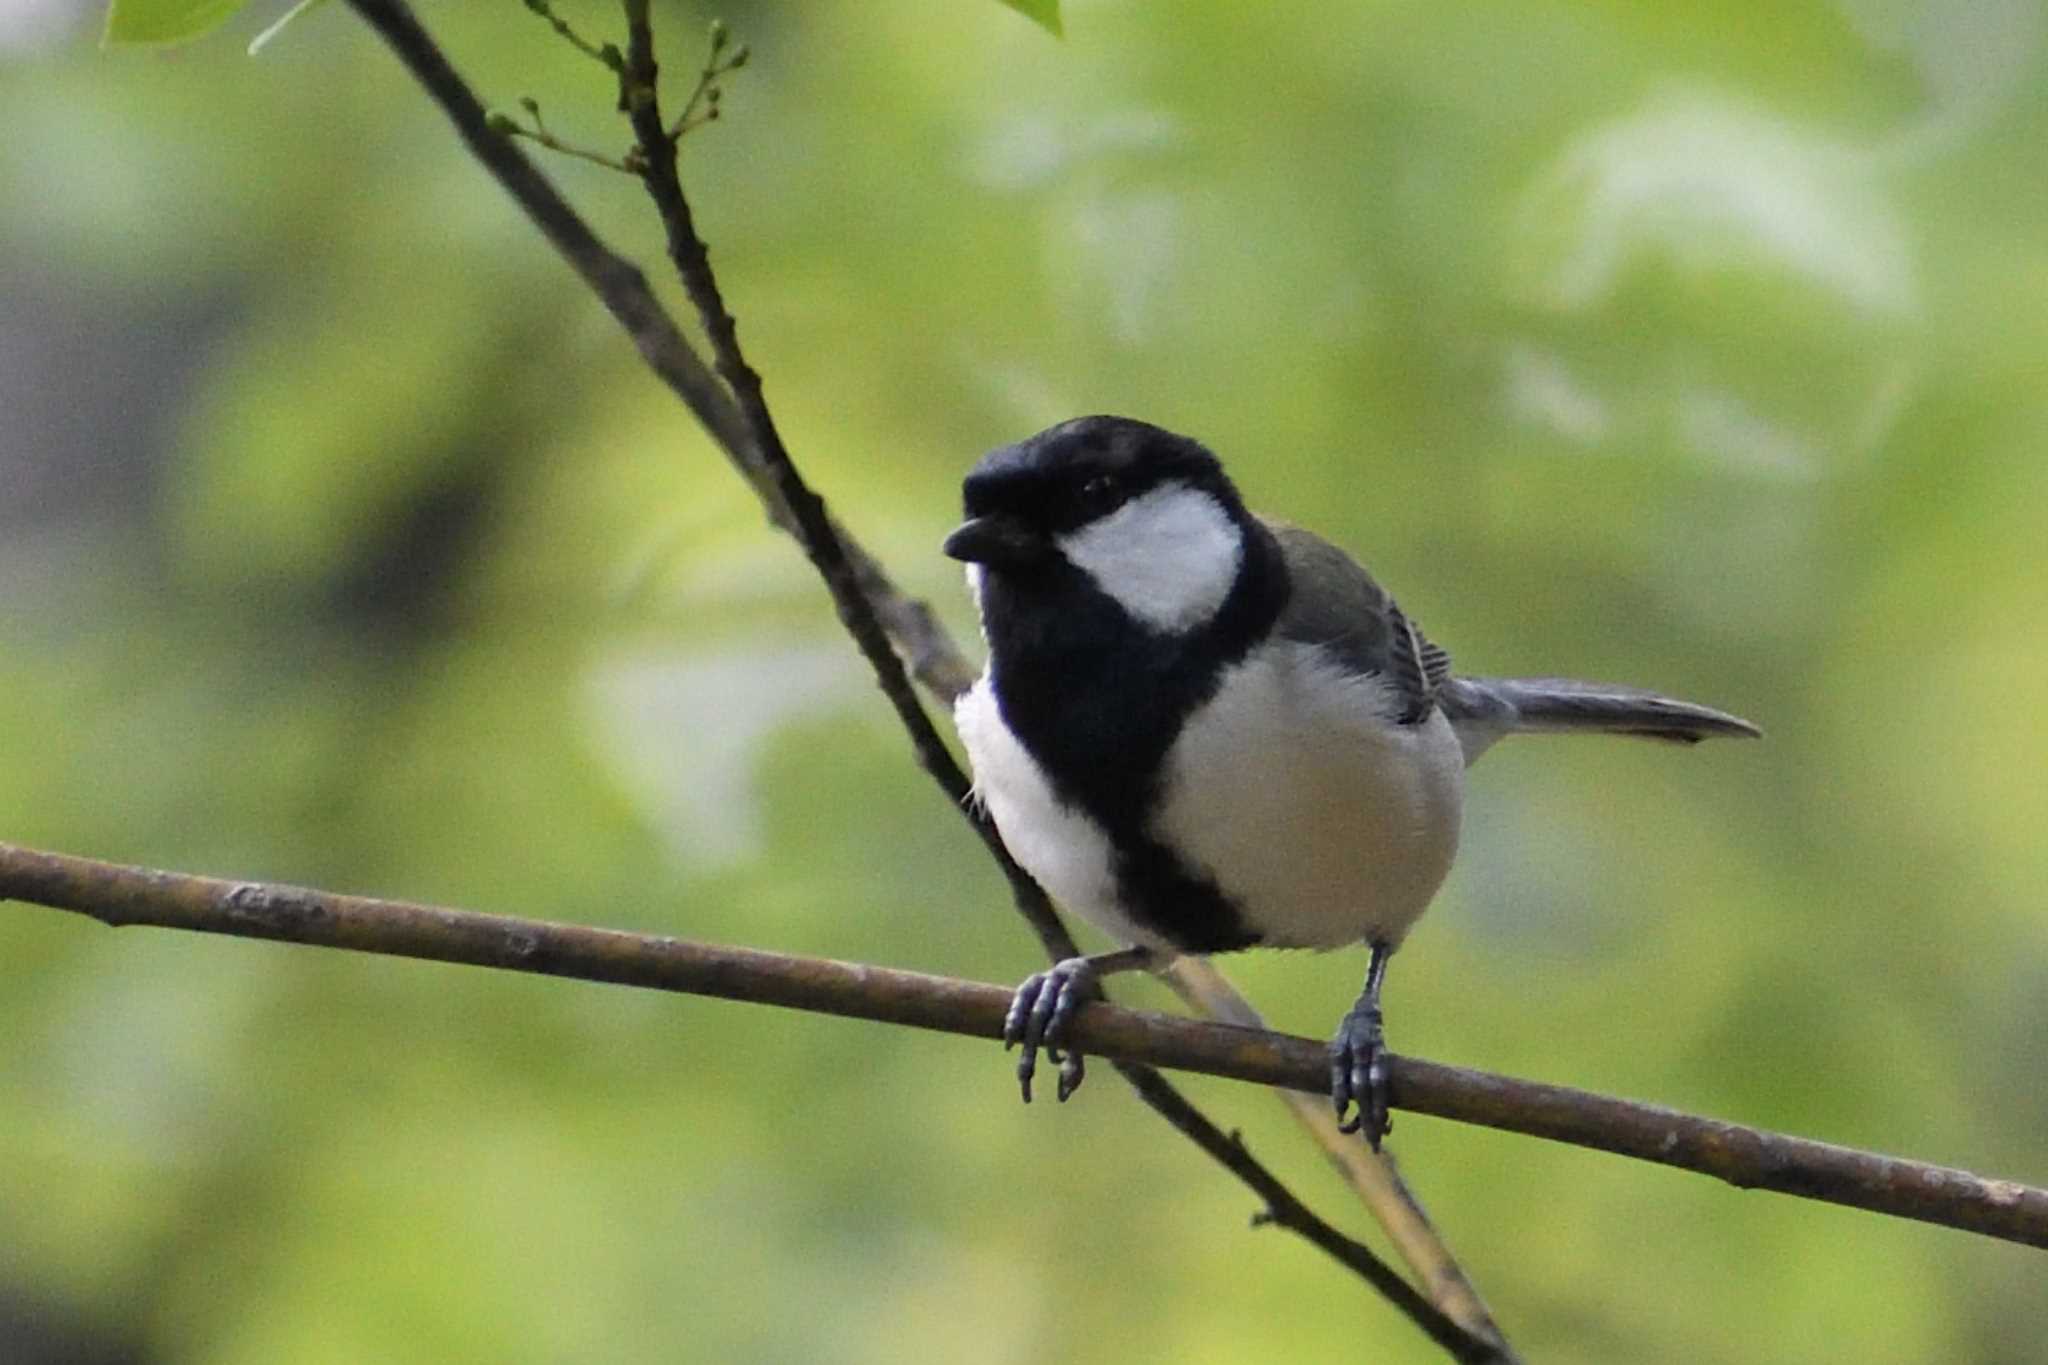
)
(1484, 709)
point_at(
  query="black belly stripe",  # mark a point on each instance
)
(1185, 908)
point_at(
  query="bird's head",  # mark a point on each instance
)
(1148, 516)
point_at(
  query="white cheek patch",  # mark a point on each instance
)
(1169, 557)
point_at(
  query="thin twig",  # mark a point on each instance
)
(702, 104)
(808, 520)
(604, 53)
(813, 529)
(748, 437)
(1283, 1209)
(640, 96)
(540, 135)
(1749, 1158)
(623, 289)
(616, 281)
(930, 653)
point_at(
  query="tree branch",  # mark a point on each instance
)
(1469, 1333)
(810, 525)
(1374, 1178)
(623, 290)
(121, 896)
(1372, 1174)
(1748, 1158)
(868, 603)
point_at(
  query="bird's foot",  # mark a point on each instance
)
(1358, 1074)
(1040, 1014)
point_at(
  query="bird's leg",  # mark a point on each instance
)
(1358, 1058)
(1043, 1010)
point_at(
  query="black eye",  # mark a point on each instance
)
(1101, 493)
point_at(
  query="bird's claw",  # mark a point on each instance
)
(1358, 1073)
(1041, 1013)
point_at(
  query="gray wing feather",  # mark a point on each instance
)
(1358, 621)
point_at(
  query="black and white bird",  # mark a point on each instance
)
(1204, 731)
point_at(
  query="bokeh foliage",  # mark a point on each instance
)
(343, 541)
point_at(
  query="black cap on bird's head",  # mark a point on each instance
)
(1020, 498)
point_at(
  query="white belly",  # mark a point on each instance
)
(1325, 822)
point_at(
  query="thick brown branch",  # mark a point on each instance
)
(120, 896)
(1746, 1157)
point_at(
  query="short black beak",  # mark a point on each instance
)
(997, 541)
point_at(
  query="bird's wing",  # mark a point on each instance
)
(1358, 621)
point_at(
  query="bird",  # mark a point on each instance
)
(1205, 731)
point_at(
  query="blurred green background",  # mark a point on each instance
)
(344, 541)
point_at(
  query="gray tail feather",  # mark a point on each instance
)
(1507, 705)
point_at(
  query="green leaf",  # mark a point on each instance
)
(1044, 13)
(164, 21)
